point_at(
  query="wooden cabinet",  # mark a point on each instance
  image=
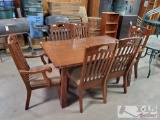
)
(109, 24)
(124, 23)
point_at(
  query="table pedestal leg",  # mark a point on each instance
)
(63, 97)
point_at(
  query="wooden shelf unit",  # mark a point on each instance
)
(109, 24)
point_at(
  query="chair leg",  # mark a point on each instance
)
(104, 93)
(136, 69)
(125, 83)
(118, 79)
(1, 58)
(80, 101)
(59, 91)
(28, 99)
(68, 84)
(49, 61)
(129, 77)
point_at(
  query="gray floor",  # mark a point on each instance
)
(45, 103)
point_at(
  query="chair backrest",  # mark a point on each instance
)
(80, 30)
(149, 14)
(141, 32)
(17, 54)
(97, 63)
(124, 57)
(61, 31)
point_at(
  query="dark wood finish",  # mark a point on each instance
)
(61, 31)
(80, 30)
(95, 69)
(124, 57)
(141, 32)
(28, 74)
(67, 53)
(109, 24)
(124, 24)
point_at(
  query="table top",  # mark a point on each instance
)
(153, 42)
(64, 53)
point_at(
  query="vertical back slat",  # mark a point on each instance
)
(126, 51)
(62, 31)
(81, 30)
(97, 61)
(17, 54)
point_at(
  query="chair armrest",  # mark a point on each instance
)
(43, 71)
(39, 55)
(34, 56)
(46, 69)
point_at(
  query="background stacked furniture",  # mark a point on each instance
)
(11, 26)
(69, 9)
(95, 25)
(35, 16)
(96, 7)
(124, 24)
(33, 7)
(6, 9)
(119, 6)
(152, 4)
(109, 24)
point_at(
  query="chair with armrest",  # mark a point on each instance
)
(61, 31)
(80, 30)
(94, 71)
(37, 77)
(123, 61)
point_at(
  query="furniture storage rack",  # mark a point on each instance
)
(109, 24)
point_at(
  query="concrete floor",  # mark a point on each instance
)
(45, 103)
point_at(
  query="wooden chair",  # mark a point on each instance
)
(94, 71)
(141, 32)
(124, 57)
(37, 77)
(80, 30)
(61, 31)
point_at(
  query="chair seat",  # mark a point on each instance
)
(134, 61)
(75, 73)
(153, 22)
(38, 80)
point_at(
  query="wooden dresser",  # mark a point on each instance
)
(124, 23)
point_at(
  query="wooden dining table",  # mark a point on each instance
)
(67, 53)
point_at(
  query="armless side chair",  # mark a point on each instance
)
(34, 78)
(80, 30)
(127, 50)
(139, 32)
(94, 71)
(61, 31)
